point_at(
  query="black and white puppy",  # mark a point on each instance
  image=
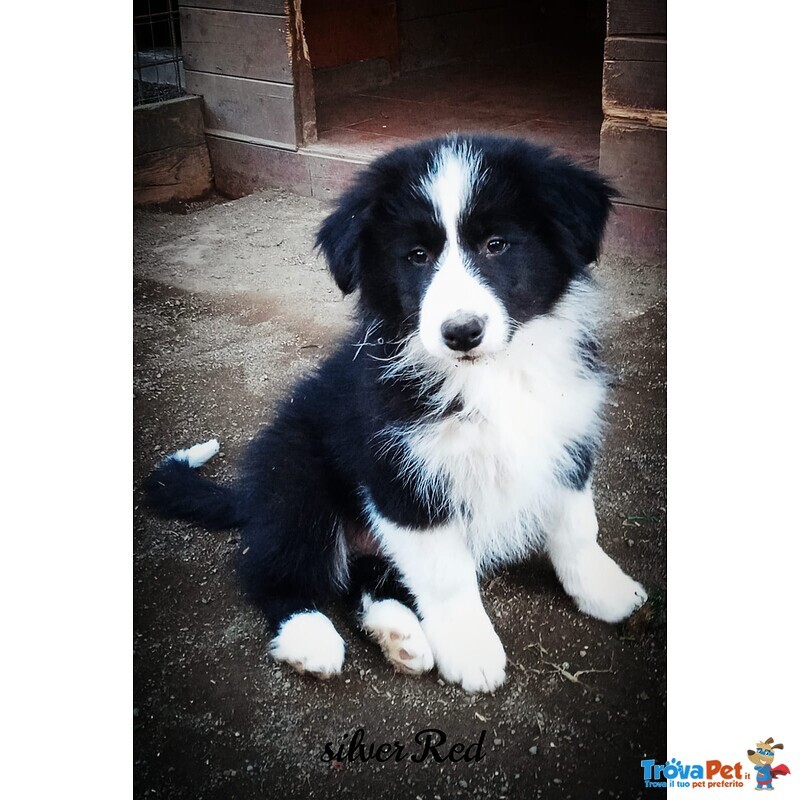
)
(454, 432)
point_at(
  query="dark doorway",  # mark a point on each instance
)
(387, 73)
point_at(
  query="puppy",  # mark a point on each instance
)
(453, 432)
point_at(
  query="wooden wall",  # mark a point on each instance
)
(247, 59)
(436, 32)
(339, 33)
(170, 156)
(250, 61)
(351, 44)
(633, 139)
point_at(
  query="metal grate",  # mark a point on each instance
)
(157, 58)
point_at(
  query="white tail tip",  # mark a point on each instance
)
(198, 454)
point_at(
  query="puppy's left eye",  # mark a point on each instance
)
(495, 246)
(418, 256)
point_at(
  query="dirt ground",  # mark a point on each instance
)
(232, 306)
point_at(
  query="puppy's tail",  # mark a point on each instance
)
(175, 490)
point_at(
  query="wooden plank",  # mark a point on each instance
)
(257, 109)
(634, 48)
(648, 17)
(330, 176)
(634, 158)
(305, 104)
(634, 85)
(244, 45)
(275, 7)
(170, 175)
(348, 78)
(241, 168)
(637, 232)
(173, 123)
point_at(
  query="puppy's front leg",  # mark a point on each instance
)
(594, 580)
(439, 569)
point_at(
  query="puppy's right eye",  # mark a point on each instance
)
(495, 246)
(418, 256)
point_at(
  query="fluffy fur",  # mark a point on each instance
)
(454, 432)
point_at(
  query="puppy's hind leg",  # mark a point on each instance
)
(290, 569)
(592, 578)
(307, 641)
(293, 559)
(304, 637)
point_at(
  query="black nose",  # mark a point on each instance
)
(463, 332)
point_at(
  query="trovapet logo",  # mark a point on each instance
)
(716, 774)
(676, 774)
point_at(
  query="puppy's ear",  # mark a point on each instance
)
(339, 238)
(579, 201)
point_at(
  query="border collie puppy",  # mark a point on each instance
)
(456, 429)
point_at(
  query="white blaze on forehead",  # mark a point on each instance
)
(455, 176)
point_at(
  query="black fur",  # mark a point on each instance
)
(305, 476)
(375, 575)
(589, 354)
(553, 210)
(179, 492)
(578, 463)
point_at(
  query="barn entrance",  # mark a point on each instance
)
(387, 73)
(302, 94)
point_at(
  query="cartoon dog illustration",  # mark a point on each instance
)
(762, 757)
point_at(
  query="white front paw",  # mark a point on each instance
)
(602, 590)
(397, 630)
(466, 650)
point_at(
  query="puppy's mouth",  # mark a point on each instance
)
(474, 357)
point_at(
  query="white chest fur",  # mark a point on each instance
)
(496, 459)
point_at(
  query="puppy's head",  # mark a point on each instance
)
(460, 240)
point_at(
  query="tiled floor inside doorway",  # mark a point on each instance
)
(553, 98)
